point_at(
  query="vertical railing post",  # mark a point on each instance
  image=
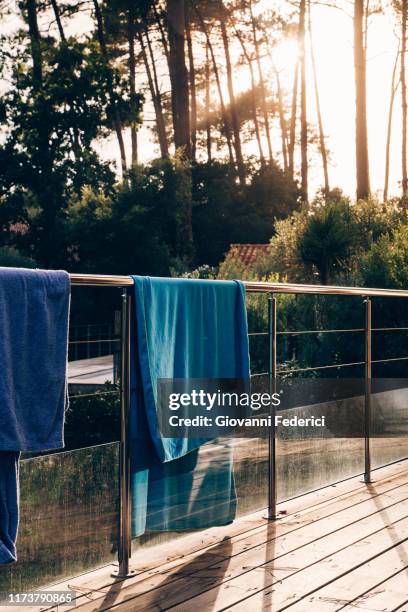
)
(272, 488)
(125, 541)
(367, 386)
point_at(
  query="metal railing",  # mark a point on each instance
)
(271, 289)
(90, 340)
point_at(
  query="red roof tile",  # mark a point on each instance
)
(247, 253)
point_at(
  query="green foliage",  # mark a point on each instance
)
(274, 194)
(11, 258)
(327, 239)
(373, 219)
(138, 227)
(48, 155)
(226, 212)
(386, 263)
(204, 272)
(284, 256)
(93, 419)
(364, 244)
(122, 234)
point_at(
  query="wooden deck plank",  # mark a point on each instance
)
(381, 584)
(227, 549)
(322, 500)
(280, 593)
(225, 574)
(165, 572)
(385, 596)
(302, 570)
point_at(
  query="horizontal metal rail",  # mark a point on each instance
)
(94, 394)
(389, 359)
(301, 332)
(94, 341)
(331, 366)
(106, 280)
(100, 280)
(77, 325)
(294, 288)
(322, 367)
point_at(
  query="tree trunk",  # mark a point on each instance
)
(208, 102)
(233, 106)
(47, 192)
(181, 121)
(35, 40)
(58, 20)
(303, 102)
(322, 141)
(362, 163)
(394, 87)
(253, 96)
(116, 117)
(282, 119)
(404, 9)
(261, 84)
(224, 115)
(163, 136)
(192, 82)
(162, 33)
(74, 136)
(132, 77)
(156, 99)
(178, 76)
(292, 133)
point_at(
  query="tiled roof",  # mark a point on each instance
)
(247, 253)
(18, 228)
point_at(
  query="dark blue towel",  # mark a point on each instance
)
(34, 308)
(184, 329)
(34, 311)
(8, 506)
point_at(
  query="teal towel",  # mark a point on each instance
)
(184, 329)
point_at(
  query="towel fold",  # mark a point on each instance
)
(184, 329)
(34, 313)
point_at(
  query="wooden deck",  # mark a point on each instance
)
(344, 547)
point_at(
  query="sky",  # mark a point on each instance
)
(333, 41)
(333, 35)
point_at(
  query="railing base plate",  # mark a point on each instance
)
(269, 517)
(118, 574)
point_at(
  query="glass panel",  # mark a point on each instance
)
(69, 516)
(389, 413)
(387, 450)
(305, 465)
(208, 488)
(251, 474)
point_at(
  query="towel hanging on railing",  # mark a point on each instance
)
(34, 311)
(184, 329)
